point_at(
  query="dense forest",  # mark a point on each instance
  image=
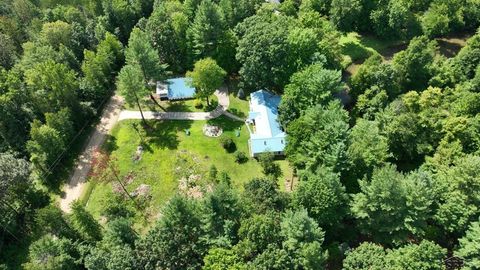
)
(389, 179)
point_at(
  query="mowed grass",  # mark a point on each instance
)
(163, 143)
(187, 105)
(357, 48)
(353, 50)
(239, 107)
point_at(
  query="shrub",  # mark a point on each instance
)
(213, 172)
(270, 168)
(240, 157)
(228, 144)
(198, 104)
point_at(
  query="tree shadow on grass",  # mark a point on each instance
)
(356, 51)
(178, 106)
(225, 123)
(212, 106)
(110, 143)
(237, 113)
(448, 49)
(164, 134)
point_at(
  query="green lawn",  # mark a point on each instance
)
(356, 48)
(239, 107)
(175, 106)
(164, 143)
(353, 49)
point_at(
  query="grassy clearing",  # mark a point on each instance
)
(163, 144)
(239, 107)
(353, 50)
(356, 48)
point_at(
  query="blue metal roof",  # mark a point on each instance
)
(178, 88)
(268, 136)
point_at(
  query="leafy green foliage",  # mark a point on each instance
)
(240, 157)
(54, 86)
(52, 220)
(45, 146)
(392, 206)
(221, 211)
(167, 28)
(18, 194)
(262, 46)
(263, 195)
(346, 14)
(208, 36)
(366, 256)
(228, 144)
(84, 223)
(458, 204)
(175, 239)
(414, 65)
(8, 53)
(323, 196)
(131, 85)
(52, 253)
(374, 73)
(425, 255)
(367, 149)
(100, 67)
(470, 247)
(319, 138)
(270, 168)
(309, 87)
(206, 77)
(220, 258)
(140, 52)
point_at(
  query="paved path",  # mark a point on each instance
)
(111, 114)
(73, 190)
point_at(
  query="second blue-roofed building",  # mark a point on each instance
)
(175, 89)
(266, 134)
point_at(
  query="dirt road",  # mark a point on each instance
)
(78, 177)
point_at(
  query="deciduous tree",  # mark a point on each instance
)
(323, 196)
(309, 87)
(469, 247)
(319, 138)
(206, 77)
(392, 206)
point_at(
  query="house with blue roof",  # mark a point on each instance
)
(175, 89)
(266, 134)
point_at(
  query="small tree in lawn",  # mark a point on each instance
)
(104, 169)
(131, 86)
(270, 168)
(206, 77)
